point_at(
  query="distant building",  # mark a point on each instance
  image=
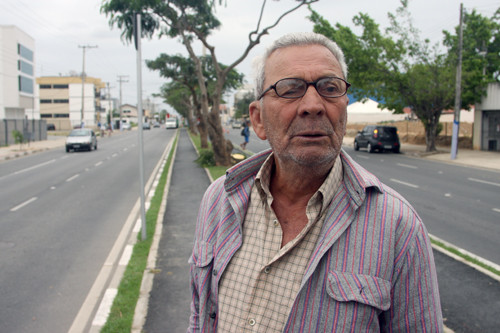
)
(64, 103)
(487, 120)
(17, 74)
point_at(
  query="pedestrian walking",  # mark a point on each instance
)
(245, 132)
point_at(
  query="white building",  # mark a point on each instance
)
(65, 104)
(17, 74)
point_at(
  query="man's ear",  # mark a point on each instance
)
(255, 111)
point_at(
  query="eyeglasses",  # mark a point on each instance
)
(329, 87)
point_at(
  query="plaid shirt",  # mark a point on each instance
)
(261, 281)
(371, 269)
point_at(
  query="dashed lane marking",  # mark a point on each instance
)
(404, 183)
(407, 166)
(483, 182)
(72, 178)
(27, 202)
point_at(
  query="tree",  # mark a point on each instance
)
(182, 70)
(399, 72)
(190, 20)
(241, 104)
(480, 54)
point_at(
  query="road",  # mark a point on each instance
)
(460, 205)
(60, 214)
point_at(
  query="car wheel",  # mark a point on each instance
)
(369, 147)
(67, 149)
(396, 150)
(356, 145)
(95, 147)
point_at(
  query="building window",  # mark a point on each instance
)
(25, 67)
(24, 52)
(45, 101)
(61, 101)
(45, 86)
(25, 85)
(46, 115)
(61, 86)
(61, 115)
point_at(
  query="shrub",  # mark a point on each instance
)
(206, 158)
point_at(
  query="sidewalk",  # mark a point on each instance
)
(17, 150)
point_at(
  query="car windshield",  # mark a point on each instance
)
(79, 132)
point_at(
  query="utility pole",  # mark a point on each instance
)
(121, 79)
(110, 112)
(458, 89)
(84, 47)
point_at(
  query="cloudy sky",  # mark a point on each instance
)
(59, 27)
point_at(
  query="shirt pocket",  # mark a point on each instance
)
(202, 255)
(365, 289)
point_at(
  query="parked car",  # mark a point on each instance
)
(379, 138)
(51, 127)
(82, 138)
(156, 124)
(236, 124)
(171, 123)
(126, 126)
(146, 126)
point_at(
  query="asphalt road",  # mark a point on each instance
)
(60, 214)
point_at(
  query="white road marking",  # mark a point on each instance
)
(127, 254)
(483, 181)
(34, 167)
(27, 202)
(496, 210)
(363, 156)
(98, 163)
(114, 155)
(72, 178)
(407, 166)
(404, 183)
(448, 195)
(103, 312)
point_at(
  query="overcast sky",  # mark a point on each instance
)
(59, 27)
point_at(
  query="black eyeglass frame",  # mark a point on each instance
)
(308, 83)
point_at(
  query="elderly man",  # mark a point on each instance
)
(301, 238)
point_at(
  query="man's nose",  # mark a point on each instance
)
(311, 103)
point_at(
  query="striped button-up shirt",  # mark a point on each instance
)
(371, 269)
(263, 278)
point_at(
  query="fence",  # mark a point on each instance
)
(31, 129)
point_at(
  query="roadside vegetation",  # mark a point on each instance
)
(122, 311)
(206, 158)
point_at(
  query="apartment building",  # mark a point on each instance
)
(65, 104)
(17, 74)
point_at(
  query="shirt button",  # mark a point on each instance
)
(276, 223)
(251, 322)
(267, 269)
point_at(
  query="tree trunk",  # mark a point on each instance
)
(222, 147)
(430, 133)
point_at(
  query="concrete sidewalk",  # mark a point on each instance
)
(17, 150)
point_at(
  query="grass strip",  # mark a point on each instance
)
(122, 312)
(215, 171)
(465, 256)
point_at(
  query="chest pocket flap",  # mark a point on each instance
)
(202, 254)
(366, 289)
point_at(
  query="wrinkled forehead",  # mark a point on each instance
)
(302, 61)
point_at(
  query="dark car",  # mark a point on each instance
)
(82, 138)
(379, 138)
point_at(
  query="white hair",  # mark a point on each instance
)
(295, 39)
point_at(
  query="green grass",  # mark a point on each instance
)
(215, 171)
(122, 311)
(465, 257)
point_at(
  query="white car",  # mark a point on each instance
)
(171, 123)
(81, 138)
(126, 126)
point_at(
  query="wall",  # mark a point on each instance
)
(32, 130)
